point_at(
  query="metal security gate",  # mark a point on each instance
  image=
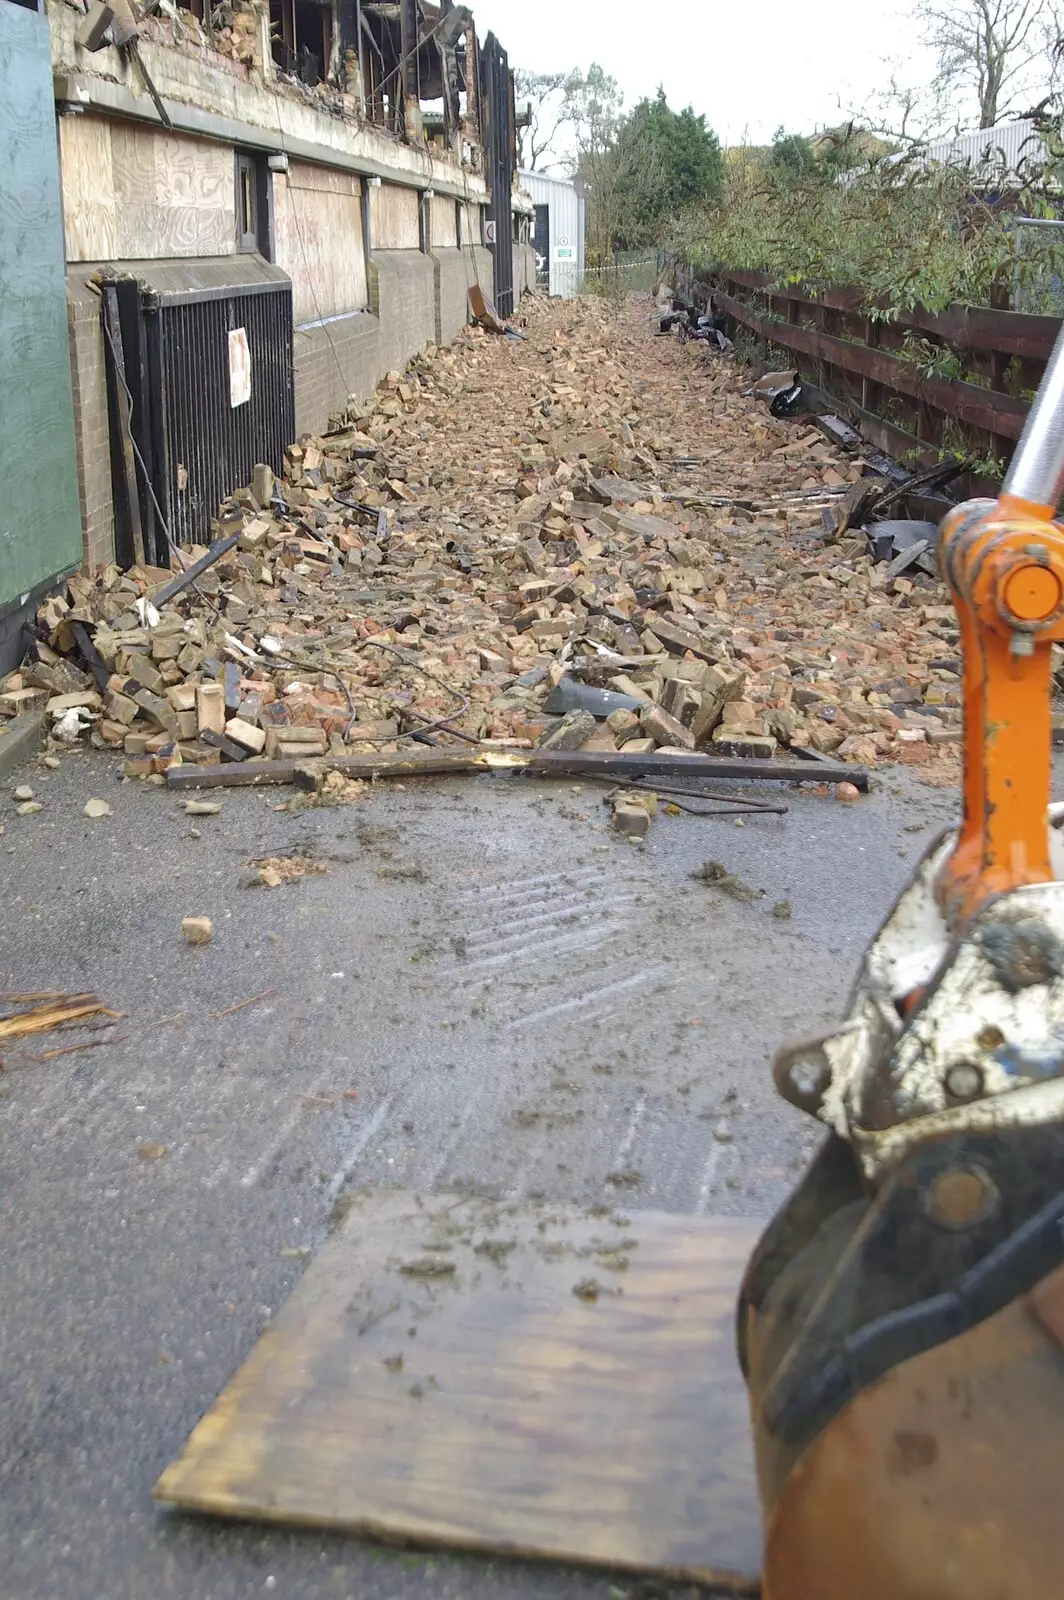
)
(500, 149)
(207, 351)
(211, 444)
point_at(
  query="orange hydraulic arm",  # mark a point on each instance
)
(1004, 561)
(901, 1323)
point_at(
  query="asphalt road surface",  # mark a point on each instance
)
(483, 992)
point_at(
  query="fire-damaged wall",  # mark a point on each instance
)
(340, 143)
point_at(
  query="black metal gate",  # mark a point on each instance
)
(501, 154)
(208, 366)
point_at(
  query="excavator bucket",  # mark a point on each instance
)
(922, 1476)
(901, 1323)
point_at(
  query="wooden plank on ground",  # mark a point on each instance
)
(513, 1377)
(538, 763)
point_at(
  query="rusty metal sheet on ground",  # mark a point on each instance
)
(515, 1377)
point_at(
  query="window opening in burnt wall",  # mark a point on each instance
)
(301, 39)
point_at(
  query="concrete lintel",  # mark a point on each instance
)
(102, 94)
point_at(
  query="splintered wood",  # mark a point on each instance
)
(501, 1376)
(591, 505)
(53, 1011)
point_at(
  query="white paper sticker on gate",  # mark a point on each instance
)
(239, 367)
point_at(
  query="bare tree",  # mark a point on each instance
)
(1053, 29)
(591, 114)
(592, 107)
(997, 51)
(619, 185)
(902, 114)
(541, 94)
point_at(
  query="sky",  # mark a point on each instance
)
(749, 68)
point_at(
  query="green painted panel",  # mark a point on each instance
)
(40, 518)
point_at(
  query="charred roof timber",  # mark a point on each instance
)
(419, 68)
(411, 67)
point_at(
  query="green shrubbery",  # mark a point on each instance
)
(907, 232)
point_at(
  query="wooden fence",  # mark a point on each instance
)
(874, 370)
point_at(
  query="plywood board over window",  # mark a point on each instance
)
(318, 231)
(189, 209)
(133, 194)
(472, 224)
(394, 220)
(444, 223)
(88, 188)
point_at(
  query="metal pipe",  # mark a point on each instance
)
(1037, 470)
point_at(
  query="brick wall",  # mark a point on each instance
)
(91, 430)
(402, 292)
(333, 360)
(452, 303)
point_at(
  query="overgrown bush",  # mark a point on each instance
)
(908, 232)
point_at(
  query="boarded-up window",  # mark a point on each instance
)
(472, 225)
(394, 219)
(318, 233)
(444, 223)
(134, 194)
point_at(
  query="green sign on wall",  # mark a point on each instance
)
(40, 519)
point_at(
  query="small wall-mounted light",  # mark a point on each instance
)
(374, 182)
(430, 194)
(75, 102)
(278, 161)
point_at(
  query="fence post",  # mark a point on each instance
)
(999, 365)
(869, 387)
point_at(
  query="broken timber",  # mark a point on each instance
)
(220, 548)
(484, 311)
(541, 763)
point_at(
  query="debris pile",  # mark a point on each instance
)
(588, 540)
(231, 30)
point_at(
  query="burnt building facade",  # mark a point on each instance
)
(265, 209)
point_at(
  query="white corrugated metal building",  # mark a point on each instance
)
(1007, 148)
(997, 155)
(557, 232)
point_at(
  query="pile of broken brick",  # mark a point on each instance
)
(502, 526)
